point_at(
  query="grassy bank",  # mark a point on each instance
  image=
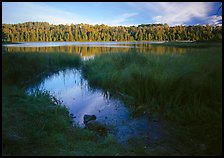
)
(19, 68)
(185, 89)
(36, 124)
(191, 44)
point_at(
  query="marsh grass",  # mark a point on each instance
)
(20, 68)
(191, 44)
(183, 88)
(35, 125)
(39, 124)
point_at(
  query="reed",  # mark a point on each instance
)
(21, 68)
(182, 88)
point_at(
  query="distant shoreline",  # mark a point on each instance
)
(11, 43)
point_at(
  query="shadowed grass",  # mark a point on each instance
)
(35, 125)
(38, 124)
(18, 68)
(185, 89)
(191, 44)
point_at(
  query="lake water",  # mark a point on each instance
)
(73, 90)
(89, 49)
(69, 87)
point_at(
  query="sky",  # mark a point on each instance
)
(113, 13)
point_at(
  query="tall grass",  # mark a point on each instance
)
(185, 89)
(36, 124)
(18, 68)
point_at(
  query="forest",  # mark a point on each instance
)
(45, 32)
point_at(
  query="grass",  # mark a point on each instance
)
(183, 88)
(191, 44)
(18, 67)
(38, 124)
(35, 125)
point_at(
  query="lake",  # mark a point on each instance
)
(89, 49)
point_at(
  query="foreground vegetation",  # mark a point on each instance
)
(21, 68)
(182, 88)
(35, 125)
(38, 124)
(185, 89)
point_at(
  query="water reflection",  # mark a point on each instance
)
(89, 50)
(74, 92)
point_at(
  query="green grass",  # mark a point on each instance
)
(19, 68)
(36, 124)
(183, 88)
(191, 44)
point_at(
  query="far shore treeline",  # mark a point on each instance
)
(45, 32)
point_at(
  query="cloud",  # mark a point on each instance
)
(122, 18)
(125, 14)
(214, 20)
(174, 12)
(158, 19)
(32, 11)
(118, 20)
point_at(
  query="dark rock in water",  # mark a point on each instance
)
(88, 118)
(93, 125)
(97, 127)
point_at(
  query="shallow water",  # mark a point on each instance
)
(80, 99)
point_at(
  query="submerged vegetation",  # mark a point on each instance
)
(182, 88)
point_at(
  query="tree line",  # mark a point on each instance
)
(45, 32)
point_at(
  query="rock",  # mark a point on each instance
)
(88, 118)
(93, 125)
(96, 126)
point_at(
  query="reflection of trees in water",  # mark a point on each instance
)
(89, 51)
(161, 49)
(84, 50)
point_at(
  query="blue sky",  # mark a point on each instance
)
(113, 13)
